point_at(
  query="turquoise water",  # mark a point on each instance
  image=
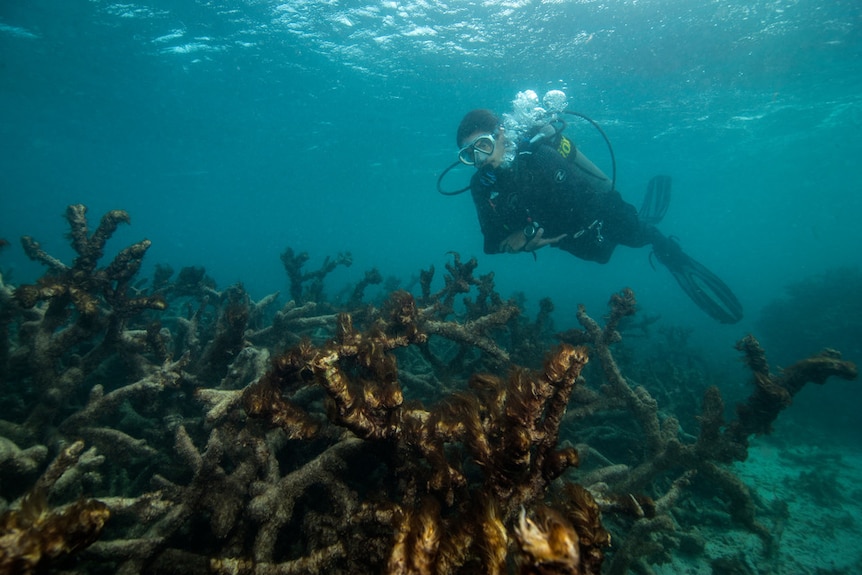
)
(229, 130)
(232, 130)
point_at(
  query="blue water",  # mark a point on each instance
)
(231, 130)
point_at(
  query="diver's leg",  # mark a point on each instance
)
(592, 249)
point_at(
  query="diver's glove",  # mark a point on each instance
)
(701, 285)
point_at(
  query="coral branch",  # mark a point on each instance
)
(474, 333)
(32, 535)
(772, 393)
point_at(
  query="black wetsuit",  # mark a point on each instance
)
(563, 196)
(556, 188)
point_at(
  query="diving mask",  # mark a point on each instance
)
(478, 151)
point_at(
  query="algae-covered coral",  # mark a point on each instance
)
(194, 430)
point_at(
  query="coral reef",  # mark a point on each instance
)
(704, 459)
(194, 430)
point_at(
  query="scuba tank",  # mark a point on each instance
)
(551, 134)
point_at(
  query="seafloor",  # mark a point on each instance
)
(165, 425)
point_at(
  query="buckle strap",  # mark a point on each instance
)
(595, 226)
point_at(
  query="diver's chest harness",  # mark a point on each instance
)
(510, 206)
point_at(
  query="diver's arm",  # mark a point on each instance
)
(498, 238)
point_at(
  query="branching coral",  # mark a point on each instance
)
(228, 436)
(293, 264)
(16, 464)
(507, 430)
(775, 393)
(32, 535)
(486, 318)
(372, 277)
(83, 284)
(702, 460)
(101, 304)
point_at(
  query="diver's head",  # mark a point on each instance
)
(480, 139)
(479, 120)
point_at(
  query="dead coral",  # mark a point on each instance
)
(291, 324)
(228, 338)
(16, 464)
(508, 429)
(703, 460)
(83, 284)
(366, 447)
(32, 535)
(570, 541)
(775, 393)
(479, 330)
(81, 302)
(293, 265)
(371, 277)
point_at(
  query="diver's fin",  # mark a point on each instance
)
(656, 201)
(701, 285)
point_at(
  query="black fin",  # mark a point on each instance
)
(701, 285)
(656, 201)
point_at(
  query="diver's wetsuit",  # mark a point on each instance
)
(562, 195)
(570, 195)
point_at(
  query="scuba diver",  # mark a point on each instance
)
(533, 188)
